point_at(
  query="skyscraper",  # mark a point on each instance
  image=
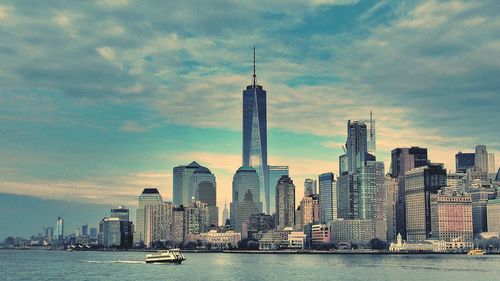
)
(59, 232)
(403, 160)
(245, 180)
(274, 173)
(464, 161)
(451, 216)
(203, 186)
(285, 203)
(420, 184)
(255, 133)
(328, 197)
(159, 219)
(310, 187)
(481, 159)
(149, 196)
(225, 214)
(491, 163)
(182, 188)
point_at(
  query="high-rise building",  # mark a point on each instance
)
(494, 215)
(491, 163)
(403, 160)
(117, 229)
(246, 191)
(310, 187)
(451, 216)
(309, 211)
(274, 174)
(391, 191)
(196, 220)
(158, 223)
(149, 196)
(203, 187)
(285, 203)
(257, 224)
(420, 183)
(480, 197)
(93, 233)
(328, 197)
(481, 159)
(456, 181)
(182, 188)
(179, 225)
(255, 133)
(59, 233)
(85, 230)
(464, 161)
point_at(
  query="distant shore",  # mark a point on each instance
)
(272, 252)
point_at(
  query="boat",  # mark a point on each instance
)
(476, 252)
(166, 256)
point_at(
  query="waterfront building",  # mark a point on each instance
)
(204, 188)
(352, 231)
(274, 173)
(309, 187)
(420, 183)
(149, 196)
(255, 134)
(159, 223)
(179, 225)
(328, 197)
(480, 196)
(391, 190)
(218, 240)
(464, 161)
(296, 240)
(245, 196)
(402, 160)
(182, 188)
(59, 233)
(122, 213)
(451, 216)
(273, 240)
(320, 234)
(430, 246)
(285, 203)
(493, 210)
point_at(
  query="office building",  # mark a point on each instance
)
(93, 233)
(85, 230)
(255, 134)
(481, 158)
(491, 163)
(451, 216)
(308, 211)
(204, 188)
(179, 225)
(182, 188)
(320, 234)
(149, 196)
(159, 220)
(403, 160)
(464, 161)
(480, 197)
(59, 233)
(196, 220)
(310, 187)
(225, 214)
(493, 210)
(274, 173)
(391, 191)
(352, 231)
(246, 191)
(420, 183)
(258, 224)
(328, 197)
(285, 203)
(117, 229)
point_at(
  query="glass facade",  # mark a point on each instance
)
(274, 173)
(328, 197)
(255, 135)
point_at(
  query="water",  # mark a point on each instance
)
(61, 265)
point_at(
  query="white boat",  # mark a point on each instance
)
(166, 256)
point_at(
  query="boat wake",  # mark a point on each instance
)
(109, 262)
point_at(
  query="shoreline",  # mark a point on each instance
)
(257, 252)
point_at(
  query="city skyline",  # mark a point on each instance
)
(174, 95)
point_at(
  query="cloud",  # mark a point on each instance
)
(333, 2)
(107, 53)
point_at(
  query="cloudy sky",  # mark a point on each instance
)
(99, 99)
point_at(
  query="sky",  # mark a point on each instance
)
(100, 99)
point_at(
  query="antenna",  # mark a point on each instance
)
(254, 76)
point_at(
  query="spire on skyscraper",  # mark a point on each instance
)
(254, 81)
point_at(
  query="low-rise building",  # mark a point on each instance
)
(222, 240)
(351, 231)
(273, 240)
(320, 234)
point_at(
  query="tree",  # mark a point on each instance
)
(377, 244)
